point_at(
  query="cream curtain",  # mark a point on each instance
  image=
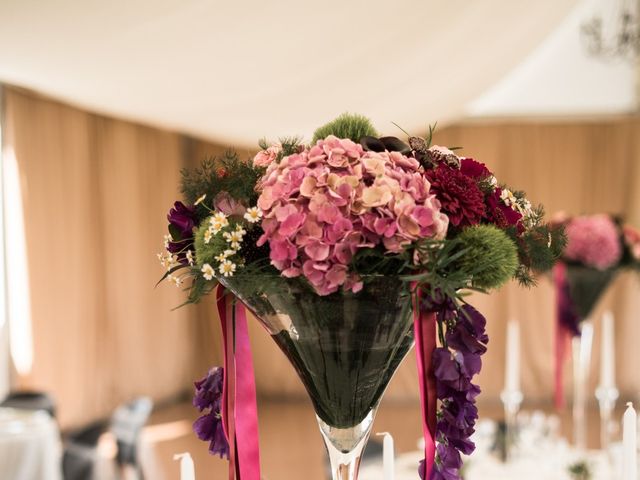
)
(95, 193)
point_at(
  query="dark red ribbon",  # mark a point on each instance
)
(424, 326)
(239, 406)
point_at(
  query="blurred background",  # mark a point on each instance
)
(103, 103)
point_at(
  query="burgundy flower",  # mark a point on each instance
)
(460, 197)
(473, 169)
(182, 220)
(500, 214)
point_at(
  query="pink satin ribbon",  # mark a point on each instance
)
(562, 335)
(424, 326)
(239, 406)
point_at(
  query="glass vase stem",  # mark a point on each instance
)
(345, 446)
(581, 347)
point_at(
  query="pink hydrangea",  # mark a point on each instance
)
(593, 240)
(264, 158)
(325, 203)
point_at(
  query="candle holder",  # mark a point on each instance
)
(607, 397)
(511, 399)
(581, 349)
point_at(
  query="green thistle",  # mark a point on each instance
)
(347, 125)
(490, 258)
(206, 252)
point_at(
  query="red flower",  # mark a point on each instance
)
(473, 169)
(459, 195)
(500, 214)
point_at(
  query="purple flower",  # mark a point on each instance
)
(454, 370)
(443, 306)
(460, 414)
(448, 457)
(209, 389)
(445, 474)
(445, 367)
(182, 220)
(209, 427)
(474, 320)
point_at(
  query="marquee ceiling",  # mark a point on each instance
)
(236, 71)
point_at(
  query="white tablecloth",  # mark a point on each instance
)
(541, 455)
(30, 447)
(553, 467)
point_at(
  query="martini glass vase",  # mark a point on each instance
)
(345, 348)
(586, 287)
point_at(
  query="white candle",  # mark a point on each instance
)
(512, 367)
(388, 457)
(629, 444)
(607, 356)
(187, 469)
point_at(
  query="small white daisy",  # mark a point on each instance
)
(229, 253)
(240, 230)
(177, 281)
(207, 271)
(220, 258)
(167, 239)
(200, 199)
(233, 237)
(227, 268)
(215, 227)
(207, 235)
(190, 257)
(253, 215)
(508, 197)
(220, 218)
(235, 245)
(167, 260)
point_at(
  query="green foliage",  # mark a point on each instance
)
(206, 252)
(347, 125)
(290, 145)
(226, 173)
(490, 256)
(539, 247)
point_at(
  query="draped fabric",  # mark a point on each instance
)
(96, 191)
(95, 195)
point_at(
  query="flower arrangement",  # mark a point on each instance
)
(598, 246)
(350, 205)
